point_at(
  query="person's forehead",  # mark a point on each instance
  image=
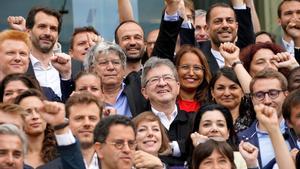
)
(42, 17)
(85, 109)
(290, 6)
(221, 12)
(9, 141)
(11, 118)
(266, 84)
(108, 55)
(8, 43)
(130, 28)
(120, 131)
(160, 70)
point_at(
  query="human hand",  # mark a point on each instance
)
(293, 28)
(230, 52)
(249, 152)
(294, 153)
(267, 116)
(17, 23)
(172, 6)
(198, 138)
(237, 2)
(143, 159)
(62, 63)
(53, 112)
(108, 111)
(285, 60)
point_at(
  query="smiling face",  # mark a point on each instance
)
(34, 123)
(14, 56)
(131, 40)
(163, 90)
(227, 93)
(44, 33)
(222, 26)
(190, 77)
(213, 124)
(83, 119)
(289, 10)
(149, 137)
(261, 60)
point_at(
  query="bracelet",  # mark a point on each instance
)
(62, 125)
(235, 63)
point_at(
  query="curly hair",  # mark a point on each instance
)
(49, 151)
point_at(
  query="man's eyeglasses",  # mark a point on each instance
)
(119, 144)
(166, 78)
(273, 94)
(105, 63)
(196, 68)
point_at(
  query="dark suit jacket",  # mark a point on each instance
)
(166, 40)
(70, 158)
(245, 37)
(250, 135)
(179, 131)
(67, 86)
(137, 102)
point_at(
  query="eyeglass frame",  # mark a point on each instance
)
(120, 144)
(254, 95)
(153, 79)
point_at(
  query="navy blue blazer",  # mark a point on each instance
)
(250, 135)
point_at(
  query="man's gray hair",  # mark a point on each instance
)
(103, 48)
(154, 62)
(200, 12)
(13, 130)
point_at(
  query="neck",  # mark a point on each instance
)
(187, 95)
(167, 108)
(44, 58)
(88, 154)
(286, 37)
(214, 46)
(2, 75)
(132, 66)
(36, 143)
(235, 112)
(110, 93)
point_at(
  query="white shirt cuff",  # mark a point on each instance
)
(186, 25)
(176, 150)
(174, 17)
(240, 6)
(65, 139)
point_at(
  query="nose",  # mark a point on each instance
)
(227, 91)
(17, 57)
(87, 122)
(9, 160)
(225, 23)
(132, 41)
(35, 114)
(161, 82)
(267, 101)
(271, 65)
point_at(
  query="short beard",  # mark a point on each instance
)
(86, 145)
(134, 59)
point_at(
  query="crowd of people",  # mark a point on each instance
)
(207, 89)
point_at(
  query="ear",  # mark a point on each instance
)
(286, 93)
(279, 21)
(144, 92)
(212, 94)
(99, 148)
(70, 52)
(290, 125)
